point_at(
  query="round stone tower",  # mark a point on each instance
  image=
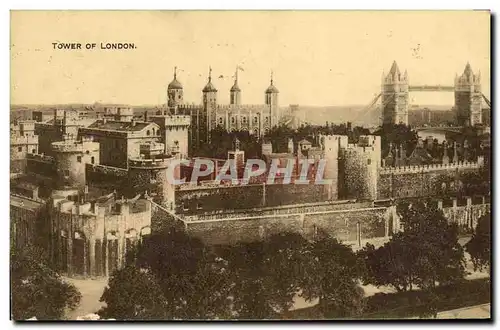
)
(71, 156)
(175, 93)
(150, 175)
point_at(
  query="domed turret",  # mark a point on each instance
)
(175, 84)
(272, 88)
(271, 100)
(175, 93)
(209, 87)
(235, 92)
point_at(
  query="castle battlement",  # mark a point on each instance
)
(40, 158)
(177, 120)
(190, 107)
(242, 107)
(92, 209)
(366, 143)
(353, 148)
(146, 148)
(74, 146)
(149, 163)
(428, 168)
(107, 170)
(23, 140)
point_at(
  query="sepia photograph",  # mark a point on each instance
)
(217, 165)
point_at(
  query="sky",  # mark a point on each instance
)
(317, 57)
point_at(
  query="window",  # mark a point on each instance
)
(92, 160)
(369, 161)
(66, 172)
(233, 120)
(33, 151)
(267, 119)
(19, 149)
(185, 207)
(79, 159)
(244, 120)
(148, 133)
(158, 132)
(87, 152)
(221, 121)
(255, 120)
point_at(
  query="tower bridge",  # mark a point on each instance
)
(394, 95)
(431, 88)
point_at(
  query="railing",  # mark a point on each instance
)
(431, 88)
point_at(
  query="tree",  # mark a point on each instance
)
(285, 260)
(38, 291)
(266, 275)
(133, 294)
(248, 273)
(193, 280)
(399, 134)
(221, 141)
(332, 276)
(479, 246)
(425, 253)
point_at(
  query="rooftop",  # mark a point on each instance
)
(25, 203)
(133, 126)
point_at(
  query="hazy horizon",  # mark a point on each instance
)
(319, 58)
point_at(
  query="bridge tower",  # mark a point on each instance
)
(395, 96)
(468, 98)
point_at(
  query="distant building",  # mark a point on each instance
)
(468, 98)
(120, 140)
(23, 141)
(395, 97)
(255, 118)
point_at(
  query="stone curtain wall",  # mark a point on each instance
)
(350, 224)
(200, 200)
(418, 181)
(39, 164)
(113, 178)
(343, 224)
(161, 219)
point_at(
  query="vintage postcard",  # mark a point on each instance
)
(250, 165)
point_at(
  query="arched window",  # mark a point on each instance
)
(148, 133)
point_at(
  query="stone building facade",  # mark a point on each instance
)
(120, 140)
(395, 97)
(92, 238)
(23, 141)
(468, 98)
(257, 119)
